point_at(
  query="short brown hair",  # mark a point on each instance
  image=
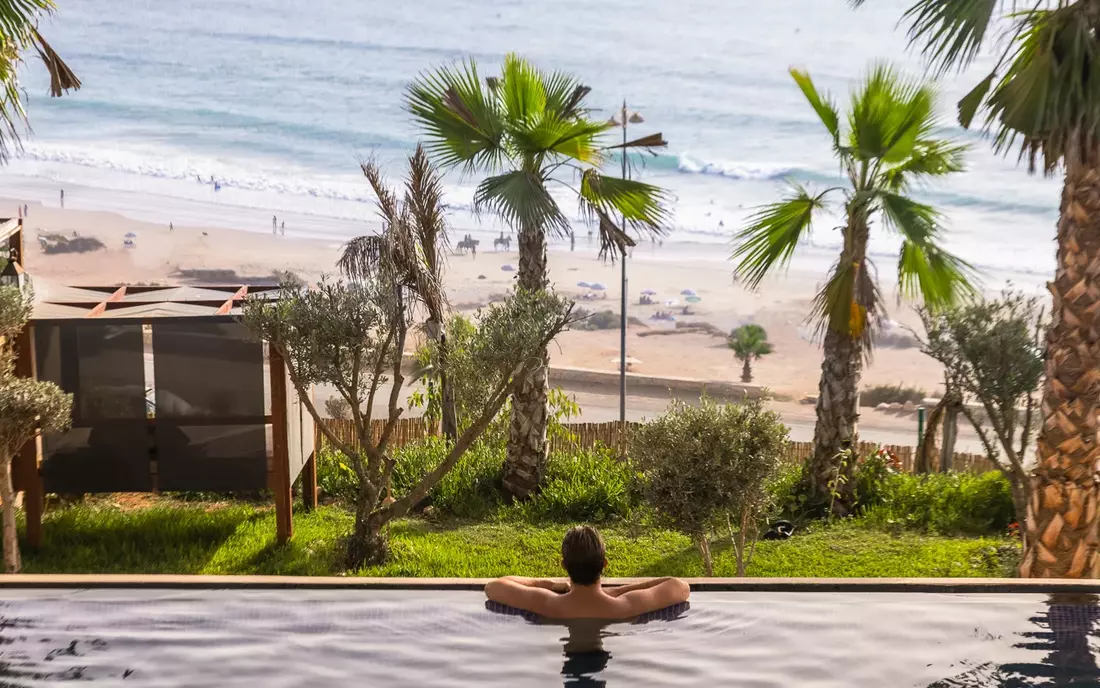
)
(583, 555)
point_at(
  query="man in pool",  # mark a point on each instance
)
(583, 596)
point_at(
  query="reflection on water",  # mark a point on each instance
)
(437, 639)
(27, 658)
(583, 644)
(1069, 659)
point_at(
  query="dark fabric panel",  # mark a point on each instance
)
(207, 369)
(211, 458)
(111, 457)
(102, 366)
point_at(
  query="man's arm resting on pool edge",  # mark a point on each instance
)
(653, 594)
(524, 593)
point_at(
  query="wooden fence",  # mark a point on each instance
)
(588, 435)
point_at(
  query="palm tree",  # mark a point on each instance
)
(1042, 98)
(530, 131)
(18, 34)
(417, 229)
(749, 343)
(888, 146)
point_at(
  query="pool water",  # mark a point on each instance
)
(372, 638)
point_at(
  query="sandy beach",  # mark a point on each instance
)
(191, 255)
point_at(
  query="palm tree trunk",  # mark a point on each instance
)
(746, 371)
(12, 562)
(526, 458)
(1060, 537)
(837, 413)
(950, 433)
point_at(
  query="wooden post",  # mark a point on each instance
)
(309, 483)
(284, 525)
(25, 463)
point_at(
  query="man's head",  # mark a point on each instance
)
(583, 555)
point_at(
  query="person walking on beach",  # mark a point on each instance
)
(19, 209)
(63, 198)
(274, 225)
(282, 228)
(25, 213)
(171, 227)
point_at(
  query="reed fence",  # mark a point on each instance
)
(589, 435)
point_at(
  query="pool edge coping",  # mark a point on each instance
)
(198, 582)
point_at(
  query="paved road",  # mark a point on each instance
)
(597, 406)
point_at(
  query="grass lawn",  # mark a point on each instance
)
(240, 539)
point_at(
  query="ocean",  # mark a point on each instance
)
(279, 100)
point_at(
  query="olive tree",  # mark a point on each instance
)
(709, 465)
(992, 354)
(27, 407)
(351, 336)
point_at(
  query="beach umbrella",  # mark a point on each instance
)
(131, 235)
(687, 292)
(586, 285)
(598, 286)
(693, 299)
(507, 268)
(649, 292)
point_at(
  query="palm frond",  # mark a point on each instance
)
(938, 278)
(925, 270)
(522, 92)
(930, 158)
(644, 207)
(822, 104)
(1049, 96)
(19, 33)
(850, 303)
(888, 115)
(460, 116)
(521, 199)
(773, 234)
(574, 138)
(62, 78)
(951, 32)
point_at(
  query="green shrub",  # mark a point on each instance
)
(469, 490)
(586, 485)
(335, 477)
(711, 464)
(890, 394)
(947, 504)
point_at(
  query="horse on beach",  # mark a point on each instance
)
(504, 241)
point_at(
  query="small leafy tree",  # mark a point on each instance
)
(708, 465)
(469, 386)
(27, 407)
(992, 353)
(351, 337)
(749, 343)
(417, 225)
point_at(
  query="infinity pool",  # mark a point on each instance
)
(376, 638)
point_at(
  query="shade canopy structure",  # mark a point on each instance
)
(170, 392)
(597, 286)
(584, 285)
(649, 292)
